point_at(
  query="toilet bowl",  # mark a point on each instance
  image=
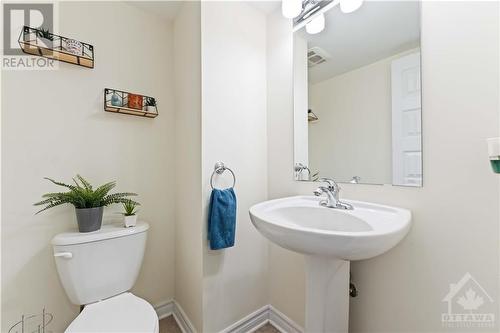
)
(97, 269)
(123, 313)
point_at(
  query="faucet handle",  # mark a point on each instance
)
(331, 183)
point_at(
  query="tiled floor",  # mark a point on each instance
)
(169, 325)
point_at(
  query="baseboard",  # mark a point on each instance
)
(165, 309)
(264, 315)
(248, 324)
(182, 320)
(282, 322)
(173, 308)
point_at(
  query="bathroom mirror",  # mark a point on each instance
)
(357, 96)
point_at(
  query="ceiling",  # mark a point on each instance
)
(167, 10)
(266, 7)
(376, 31)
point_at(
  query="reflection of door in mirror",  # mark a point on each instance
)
(406, 121)
(357, 96)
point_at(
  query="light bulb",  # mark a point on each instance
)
(291, 8)
(316, 25)
(349, 6)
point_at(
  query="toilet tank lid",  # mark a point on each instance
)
(107, 231)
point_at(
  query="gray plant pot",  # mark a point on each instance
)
(89, 219)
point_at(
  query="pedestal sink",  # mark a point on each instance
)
(330, 239)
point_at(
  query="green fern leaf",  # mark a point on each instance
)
(85, 183)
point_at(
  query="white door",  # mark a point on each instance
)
(406, 121)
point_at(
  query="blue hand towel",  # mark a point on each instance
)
(222, 219)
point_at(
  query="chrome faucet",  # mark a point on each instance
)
(332, 191)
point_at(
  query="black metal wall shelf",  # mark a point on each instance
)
(55, 47)
(118, 101)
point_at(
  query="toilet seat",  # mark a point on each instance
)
(120, 314)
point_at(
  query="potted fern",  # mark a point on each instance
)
(130, 213)
(45, 36)
(89, 202)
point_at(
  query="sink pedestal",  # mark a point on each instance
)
(327, 295)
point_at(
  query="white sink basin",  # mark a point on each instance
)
(300, 224)
(330, 239)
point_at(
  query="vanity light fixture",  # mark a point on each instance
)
(316, 25)
(349, 6)
(291, 8)
(312, 12)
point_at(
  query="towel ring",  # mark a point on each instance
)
(219, 169)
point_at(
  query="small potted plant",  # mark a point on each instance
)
(89, 202)
(130, 213)
(45, 37)
(150, 104)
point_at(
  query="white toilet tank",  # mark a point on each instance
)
(97, 265)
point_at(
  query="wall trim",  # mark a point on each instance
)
(171, 307)
(283, 323)
(182, 319)
(248, 324)
(165, 309)
(264, 315)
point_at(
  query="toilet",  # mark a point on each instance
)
(97, 270)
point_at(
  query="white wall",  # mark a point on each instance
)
(188, 196)
(234, 131)
(286, 269)
(455, 215)
(53, 124)
(353, 135)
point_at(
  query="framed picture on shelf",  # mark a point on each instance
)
(135, 101)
